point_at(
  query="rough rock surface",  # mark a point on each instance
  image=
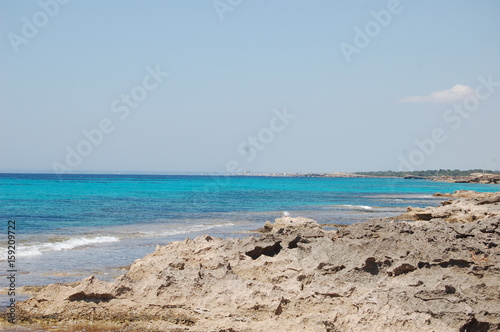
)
(381, 275)
(472, 178)
(469, 206)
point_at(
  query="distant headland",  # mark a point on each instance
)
(447, 175)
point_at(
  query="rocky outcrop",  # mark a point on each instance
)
(470, 206)
(466, 194)
(413, 177)
(472, 178)
(381, 275)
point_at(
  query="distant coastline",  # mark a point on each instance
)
(305, 175)
(451, 176)
(458, 177)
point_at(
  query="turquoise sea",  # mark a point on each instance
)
(71, 226)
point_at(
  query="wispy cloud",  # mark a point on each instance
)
(454, 95)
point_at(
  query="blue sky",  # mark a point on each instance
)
(233, 66)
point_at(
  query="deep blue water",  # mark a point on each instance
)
(63, 219)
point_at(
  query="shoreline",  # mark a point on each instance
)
(49, 265)
(377, 274)
(482, 178)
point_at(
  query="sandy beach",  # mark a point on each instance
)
(433, 269)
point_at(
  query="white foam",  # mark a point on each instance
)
(357, 207)
(28, 251)
(39, 249)
(189, 229)
(78, 242)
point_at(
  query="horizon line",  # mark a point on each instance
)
(201, 173)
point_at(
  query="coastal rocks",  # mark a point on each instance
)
(469, 207)
(413, 177)
(292, 225)
(466, 194)
(472, 178)
(380, 275)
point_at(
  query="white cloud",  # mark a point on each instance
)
(454, 95)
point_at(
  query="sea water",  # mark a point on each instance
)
(71, 226)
